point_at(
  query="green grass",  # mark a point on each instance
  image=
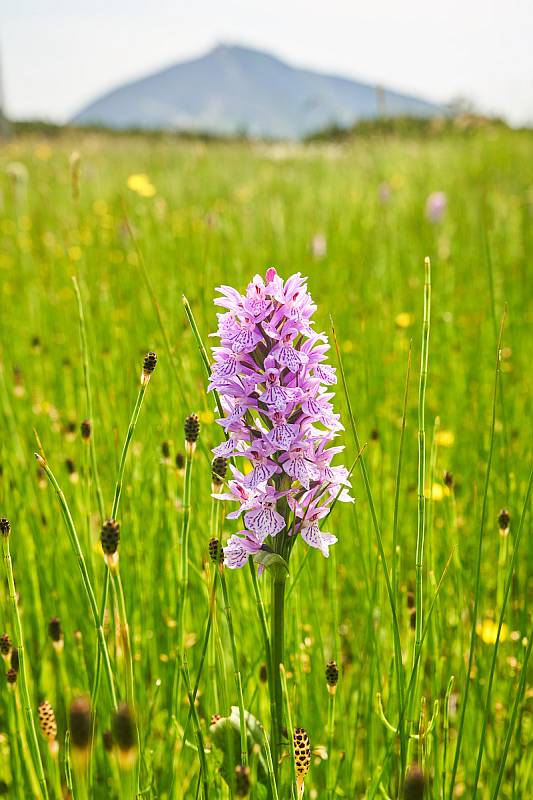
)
(222, 212)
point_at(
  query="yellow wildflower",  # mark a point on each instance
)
(141, 184)
(405, 319)
(488, 630)
(445, 438)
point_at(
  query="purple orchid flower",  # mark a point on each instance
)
(271, 373)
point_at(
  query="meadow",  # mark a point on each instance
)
(140, 223)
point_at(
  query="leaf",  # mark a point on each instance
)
(225, 734)
(272, 562)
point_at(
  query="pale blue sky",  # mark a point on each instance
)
(59, 54)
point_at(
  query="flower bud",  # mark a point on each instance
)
(5, 527)
(125, 736)
(332, 676)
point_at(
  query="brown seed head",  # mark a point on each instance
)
(86, 429)
(180, 462)
(5, 527)
(14, 661)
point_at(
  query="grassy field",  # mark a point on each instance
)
(352, 218)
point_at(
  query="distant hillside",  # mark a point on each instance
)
(237, 90)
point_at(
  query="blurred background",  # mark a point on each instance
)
(247, 68)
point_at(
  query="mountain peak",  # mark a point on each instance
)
(234, 88)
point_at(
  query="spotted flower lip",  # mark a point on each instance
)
(275, 387)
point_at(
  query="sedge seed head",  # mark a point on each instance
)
(86, 429)
(5, 527)
(302, 751)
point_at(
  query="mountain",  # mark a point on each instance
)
(234, 89)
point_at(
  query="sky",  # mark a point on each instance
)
(56, 55)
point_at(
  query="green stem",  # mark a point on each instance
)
(183, 581)
(30, 722)
(478, 567)
(421, 516)
(75, 543)
(381, 550)
(330, 788)
(507, 590)
(88, 396)
(236, 670)
(277, 645)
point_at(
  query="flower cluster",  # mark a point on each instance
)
(274, 386)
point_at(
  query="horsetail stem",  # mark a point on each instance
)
(477, 585)
(421, 484)
(236, 669)
(75, 544)
(5, 532)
